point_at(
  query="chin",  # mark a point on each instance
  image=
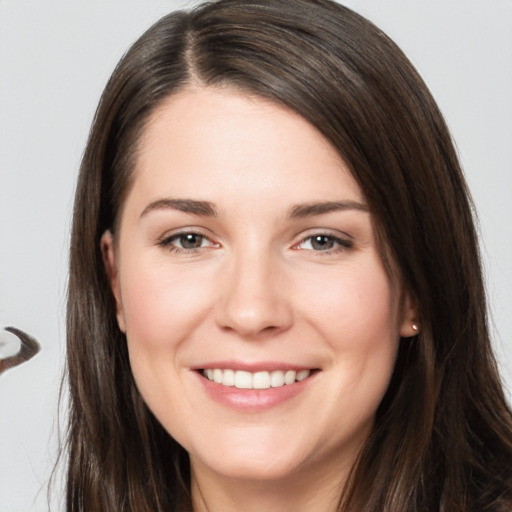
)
(254, 459)
(268, 468)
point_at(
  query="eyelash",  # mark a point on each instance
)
(168, 242)
(340, 244)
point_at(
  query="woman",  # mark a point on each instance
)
(275, 297)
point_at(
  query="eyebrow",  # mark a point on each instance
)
(300, 211)
(208, 209)
(203, 208)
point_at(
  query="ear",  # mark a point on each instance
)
(410, 325)
(110, 263)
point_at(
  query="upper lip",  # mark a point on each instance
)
(252, 367)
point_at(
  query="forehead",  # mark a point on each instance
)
(220, 142)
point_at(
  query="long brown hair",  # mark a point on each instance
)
(442, 439)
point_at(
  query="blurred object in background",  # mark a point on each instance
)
(16, 347)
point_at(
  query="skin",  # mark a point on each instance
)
(258, 288)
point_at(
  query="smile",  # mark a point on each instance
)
(258, 380)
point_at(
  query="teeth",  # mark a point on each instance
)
(277, 379)
(228, 378)
(258, 380)
(261, 380)
(303, 374)
(289, 377)
(243, 380)
(217, 376)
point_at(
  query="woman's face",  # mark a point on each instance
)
(261, 325)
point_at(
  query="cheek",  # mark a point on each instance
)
(161, 308)
(358, 317)
(356, 305)
(161, 305)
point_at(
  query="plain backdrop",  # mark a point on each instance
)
(55, 58)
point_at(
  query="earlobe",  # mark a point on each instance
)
(109, 261)
(410, 325)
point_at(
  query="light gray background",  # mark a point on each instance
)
(55, 58)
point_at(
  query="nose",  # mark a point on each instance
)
(253, 299)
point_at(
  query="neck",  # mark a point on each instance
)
(303, 491)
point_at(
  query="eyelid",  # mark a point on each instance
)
(343, 240)
(166, 241)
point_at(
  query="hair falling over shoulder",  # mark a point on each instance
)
(442, 439)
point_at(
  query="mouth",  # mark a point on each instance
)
(255, 380)
(254, 387)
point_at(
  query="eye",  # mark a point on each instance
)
(324, 243)
(187, 242)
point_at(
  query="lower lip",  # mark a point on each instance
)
(253, 400)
